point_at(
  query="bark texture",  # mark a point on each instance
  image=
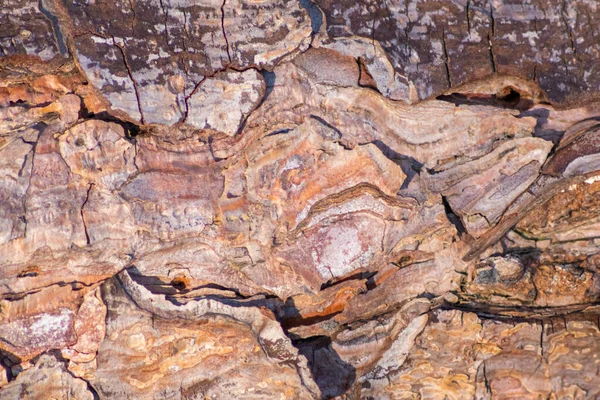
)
(299, 200)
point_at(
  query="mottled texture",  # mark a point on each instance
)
(296, 200)
(437, 45)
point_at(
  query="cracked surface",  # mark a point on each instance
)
(299, 200)
(437, 45)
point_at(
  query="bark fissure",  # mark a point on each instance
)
(446, 60)
(131, 77)
(224, 32)
(85, 227)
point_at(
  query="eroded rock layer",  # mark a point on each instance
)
(296, 200)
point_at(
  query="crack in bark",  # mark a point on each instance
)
(490, 38)
(563, 15)
(446, 60)
(542, 339)
(133, 81)
(187, 98)
(488, 387)
(453, 217)
(373, 31)
(467, 11)
(166, 23)
(492, 20)
(223, 29)
(87, 197)
(492, 57)
(184, 42)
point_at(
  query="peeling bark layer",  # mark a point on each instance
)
(298, 200)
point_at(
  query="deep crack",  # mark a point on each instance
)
(223, 29)
(446, 60)
(87, 197)
(133, 81)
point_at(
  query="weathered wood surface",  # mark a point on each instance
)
(296, 200)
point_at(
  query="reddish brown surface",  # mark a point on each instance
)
(255, 200)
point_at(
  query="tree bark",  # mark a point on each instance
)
(299, 200)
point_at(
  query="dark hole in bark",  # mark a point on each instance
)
(179, 283)
(511, 97)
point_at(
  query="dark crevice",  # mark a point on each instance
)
(133, 81)
(9, 360)
(446, 60)
(507, 98)
(492, 57)
(155, 285)
(57, 354)
(223, 29)
(28, 273)
(23, 104)
(278, 132)
(365, 79)
(490, 39)
(453, 218)
(269, 77)
(92, 390)
(331, 373)
(131, 130)
(542, 338)
(25, 159)
(357, 276)
(488, 387)
(511, 97)
(87, 197)
(298, 321)
(327, 124)
(492, 20)
(212, 150)
(187, 98)
(467, 12)
(410, 166)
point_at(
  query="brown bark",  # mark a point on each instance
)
(281, 199)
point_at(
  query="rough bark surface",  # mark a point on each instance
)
(299, 200)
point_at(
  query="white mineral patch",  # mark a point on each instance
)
(342, 250)
(593, 179)
(531, 36)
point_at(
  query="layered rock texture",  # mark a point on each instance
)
(279, 199)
